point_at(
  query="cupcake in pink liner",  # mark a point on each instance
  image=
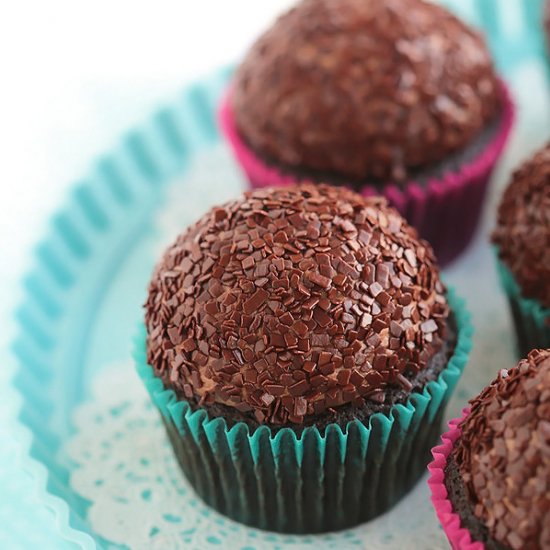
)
(490, 477)
(396, 97)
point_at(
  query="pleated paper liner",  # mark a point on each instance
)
(459, 537)
(445, 210)
(531, 319)
(318, 481)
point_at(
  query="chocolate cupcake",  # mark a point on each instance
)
(491, 477)
(522, 237)
(396, 97)
(301, 348)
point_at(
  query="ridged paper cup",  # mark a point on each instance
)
(445, 210)
(531, 319)
(459, 537)
(317, 480)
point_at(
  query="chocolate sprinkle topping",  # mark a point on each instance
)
(503, 454)
(365, 89)
(350, 301)
(523, 227)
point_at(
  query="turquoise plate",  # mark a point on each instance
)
(84, 293)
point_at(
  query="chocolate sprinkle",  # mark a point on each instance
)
(503, 454)
(305, 341)
(523, 227)
(365, 89)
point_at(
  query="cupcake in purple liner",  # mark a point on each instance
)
(396, 97)
(490, 478)
(522, 237)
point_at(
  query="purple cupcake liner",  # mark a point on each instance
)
(445, 211)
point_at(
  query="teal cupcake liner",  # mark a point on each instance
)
(316, 481)
(531, 319)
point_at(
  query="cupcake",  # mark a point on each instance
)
(522, 238)
(301, 348)
(391, 97)
(490, 479)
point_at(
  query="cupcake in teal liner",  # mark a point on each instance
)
(490, 477)
(522, 237)
(301, 348)
(392, 97)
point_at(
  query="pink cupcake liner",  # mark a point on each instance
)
(445, 211)
(459, 537)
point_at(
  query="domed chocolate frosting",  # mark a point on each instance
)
(503, 454)
(365, 89)
(288, 302)
(523, 227)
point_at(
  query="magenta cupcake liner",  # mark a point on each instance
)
(459, 537)
(445, 211)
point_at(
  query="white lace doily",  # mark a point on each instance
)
(139, 498)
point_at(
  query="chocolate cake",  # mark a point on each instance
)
(366, 91)
(522, 234)
(295, 306)
(498, 474)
